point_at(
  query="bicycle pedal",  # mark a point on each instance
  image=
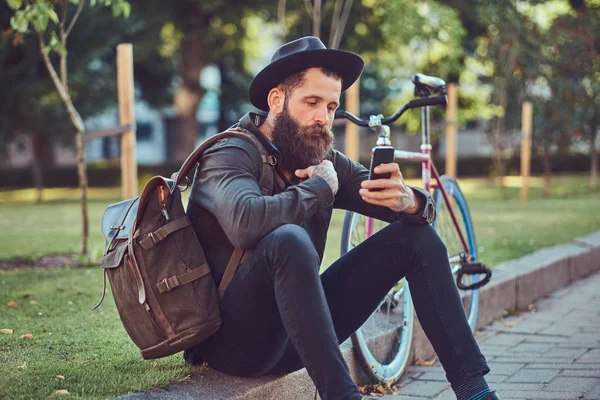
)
(474, 268)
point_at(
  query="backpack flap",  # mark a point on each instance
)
(118, 219)
(114, 258)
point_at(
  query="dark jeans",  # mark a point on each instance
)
(279, 315)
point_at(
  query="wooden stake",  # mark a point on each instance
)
(127, 117)
(352, 106)
(526, 126)
(451, 130)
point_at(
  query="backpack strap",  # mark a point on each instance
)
(268, 177)
(191, 161)
(232, 265)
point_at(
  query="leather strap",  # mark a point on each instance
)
(135, 269)
(103, 293)
(168, 284)
(154, 237)
(232, 266)
(193, 158)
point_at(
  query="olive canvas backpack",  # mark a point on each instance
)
(161, 283)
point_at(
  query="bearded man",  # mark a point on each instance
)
(279, 314)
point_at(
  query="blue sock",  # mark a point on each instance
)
(474, 388)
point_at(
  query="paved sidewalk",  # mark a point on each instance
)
(552, 352)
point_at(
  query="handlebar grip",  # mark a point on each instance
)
(428, 101)
(339, 113)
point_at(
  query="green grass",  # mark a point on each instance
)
(505, 228)
(508, 228)
(91, 349)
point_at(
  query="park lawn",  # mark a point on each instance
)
(505, 228)
(91, 350)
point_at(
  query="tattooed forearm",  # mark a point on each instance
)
(326, 171)
(406, 200)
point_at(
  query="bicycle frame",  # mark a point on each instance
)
(428, 167)
(377, 123)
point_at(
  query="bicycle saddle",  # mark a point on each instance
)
(428, 85)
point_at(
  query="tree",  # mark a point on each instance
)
(28, 105)
(199, 33)
(52, 23)
(566, 89)
(580, 57)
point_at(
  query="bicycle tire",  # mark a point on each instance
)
(383, 344)
(446, 229)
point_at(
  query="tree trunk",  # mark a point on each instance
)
(188, 95)
(38, 144)
(500, 165)
(593, 181)
(77, 122)
(547, 175)
(83, 186)
(281, 20)
(316, 18)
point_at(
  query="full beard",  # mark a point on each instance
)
(300, 146)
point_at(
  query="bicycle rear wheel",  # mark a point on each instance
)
(446, 229)
(383, 344)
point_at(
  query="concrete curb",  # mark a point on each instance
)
(515, 285)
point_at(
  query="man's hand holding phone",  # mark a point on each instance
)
(386, 186)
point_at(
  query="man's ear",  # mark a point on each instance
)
(276, 99)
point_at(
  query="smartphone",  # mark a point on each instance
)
(380, 155)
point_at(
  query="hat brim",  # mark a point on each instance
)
(348, 65)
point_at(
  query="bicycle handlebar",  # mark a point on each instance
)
(416, 103)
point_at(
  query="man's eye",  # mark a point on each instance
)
(331, 109)
(312, 103)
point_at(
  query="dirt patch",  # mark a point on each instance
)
(53, 261)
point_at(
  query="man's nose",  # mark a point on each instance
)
(322, 116)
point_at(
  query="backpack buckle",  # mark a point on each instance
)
(151, 234)
(166, 282)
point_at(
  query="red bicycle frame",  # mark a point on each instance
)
(428, 167)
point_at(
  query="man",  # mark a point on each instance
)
(278, 314)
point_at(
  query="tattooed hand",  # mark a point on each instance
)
(395, 194)
(325, 170)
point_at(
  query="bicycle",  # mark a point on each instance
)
(383, 344)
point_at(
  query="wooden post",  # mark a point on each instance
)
(526, 126)
(352, 106)
(451, 130)
(127, 117)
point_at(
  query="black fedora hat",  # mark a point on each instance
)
(298, 55)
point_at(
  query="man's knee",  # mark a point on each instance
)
(290, 242)
(419, 236)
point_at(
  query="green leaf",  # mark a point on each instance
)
(42, 22)
(126, 9)
(19, 22)
(15, 4)
(52, 14)
(56, 45)
(116, 10)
